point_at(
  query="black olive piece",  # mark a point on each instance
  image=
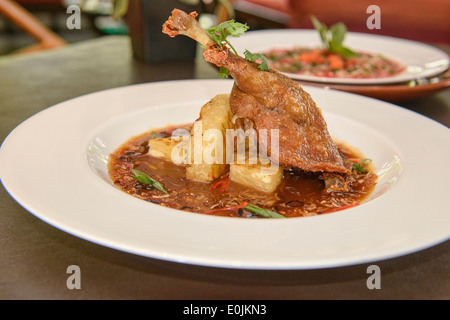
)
(294, 203)
(153, 201)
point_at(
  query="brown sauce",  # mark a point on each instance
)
(299, 194)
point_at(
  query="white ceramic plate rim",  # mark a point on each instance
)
(53, 180)
(409, 53)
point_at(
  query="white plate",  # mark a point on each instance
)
(421, 60)
(54, 165)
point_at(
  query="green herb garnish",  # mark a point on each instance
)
(258, 58)
(333, 38)
(224, 72)
(219, 35)
(145, 179)
(262, 212)
(357, 164)
(232, 28)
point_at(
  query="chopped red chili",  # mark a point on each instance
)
(221, 185)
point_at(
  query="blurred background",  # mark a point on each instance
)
(33, 25)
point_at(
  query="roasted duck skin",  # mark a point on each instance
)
(270, 100)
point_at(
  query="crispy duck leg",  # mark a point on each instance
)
(272, 101)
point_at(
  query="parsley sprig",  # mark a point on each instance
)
(263, 65)
(219, 35)
(333, 38)
(221, 32)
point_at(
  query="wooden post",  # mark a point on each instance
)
(18, 15)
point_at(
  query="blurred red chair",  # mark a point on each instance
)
(22, 18)
(261, 14)
(427, 21)
(419, 20)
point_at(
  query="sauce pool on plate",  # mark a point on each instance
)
(299, 193)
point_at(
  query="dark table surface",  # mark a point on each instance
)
(34, 255)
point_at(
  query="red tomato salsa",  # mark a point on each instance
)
(322, 63)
